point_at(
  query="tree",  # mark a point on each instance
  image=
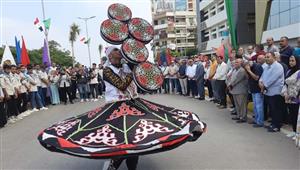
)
(74, 31)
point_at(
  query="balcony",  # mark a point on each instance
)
(180, 24)
(161, 26)
(189, 44)
(171, 35)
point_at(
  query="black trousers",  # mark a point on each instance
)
(12, 109)
(192, 87)
(276, 103)
(293, 114)
(3, 117)
(221, 86)
(94, 90)
(64, 91)
(46, 99)
(22, 102)
(166, 85)
(73, 89)
(266, 108)
(209, 87)
(100, 88)
(131, 162)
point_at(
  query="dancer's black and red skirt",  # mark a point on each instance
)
(123, 128)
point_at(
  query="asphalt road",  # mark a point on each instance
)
(226, 145)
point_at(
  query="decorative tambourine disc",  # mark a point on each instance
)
(134, 51)
(114, 31)
(148, 76)
(141, 30)
(119, 12)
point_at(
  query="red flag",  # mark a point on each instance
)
(82, 39)
(169, 56)
(36, 21)
(24, 55)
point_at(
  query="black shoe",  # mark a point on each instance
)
(258, 126)
(241, 121)
(71, 102)
(273, 130)
(201, 98)
(233, 113)
(231, 107)
(251, 122)
(235, 118)
(65, 103)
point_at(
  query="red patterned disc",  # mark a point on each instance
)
(114, 31)
(148, 76)
(119, 12)
(134, 51)
(141, 30)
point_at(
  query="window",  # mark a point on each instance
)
(274, 21)
(191, 20)
(155, 22)
(222, 26)
(284, 5)
(213, 36)
(295, 3)
(190, 6)
(274, 7)
(284, 18)
(212, 13)
(221, 8)
(295, 17)
(162, 22)
(221, 2)
(177, 31)
(178, 41)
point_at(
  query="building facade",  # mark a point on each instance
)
(282, 18)
(174, 24)
(213, 22)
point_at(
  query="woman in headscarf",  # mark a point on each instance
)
(290, 92)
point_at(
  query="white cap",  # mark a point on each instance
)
(109, 50)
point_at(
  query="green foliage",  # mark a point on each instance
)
(175, 53)
(57, 55)
(191, 51)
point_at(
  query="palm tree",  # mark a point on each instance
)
(74, 32)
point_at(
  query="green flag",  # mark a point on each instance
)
(47, 23)
(231, 24)
(87, 41)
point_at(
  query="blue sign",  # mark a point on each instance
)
(180, 5)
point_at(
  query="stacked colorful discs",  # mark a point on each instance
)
(114, 31)
(148, 76)
(134, 51)
(141, 30)
(119, 12)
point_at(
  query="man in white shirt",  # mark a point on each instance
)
(94, 82)
(220, 78)
(165, 71)
(36, 101)
(10, 94)
(251, 53)
(44, 84)
(3, 118)
(190, 73)
(172, 72)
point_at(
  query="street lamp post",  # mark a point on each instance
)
(87, 36)
(46, 31)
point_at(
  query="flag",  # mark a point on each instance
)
(36, 21)
(41, 28)
(45, 54)
(38, 24)
(47, 23)
(87, 41)
(18, 50)
(24, 55)
(82, 39)
(7, 56)
(231, 24)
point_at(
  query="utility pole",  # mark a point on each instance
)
(46, 31)
(87, 36)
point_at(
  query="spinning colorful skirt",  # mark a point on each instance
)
(123, 128)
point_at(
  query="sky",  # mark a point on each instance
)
(17, 17)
